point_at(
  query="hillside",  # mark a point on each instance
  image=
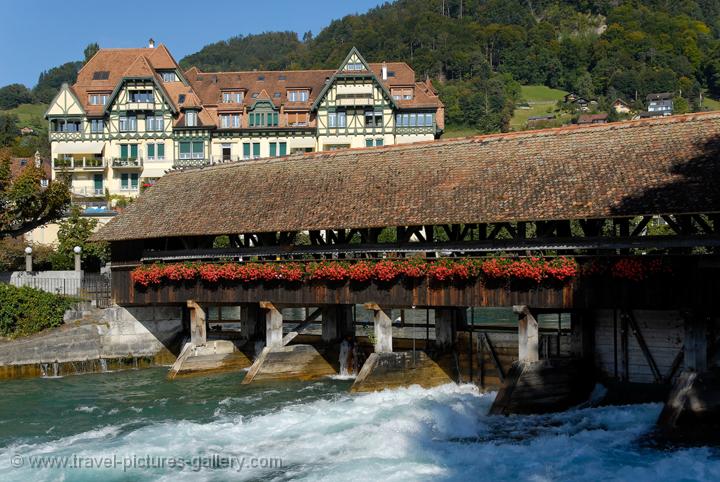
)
(479, 52)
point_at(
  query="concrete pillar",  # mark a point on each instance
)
(252, 321)
(337, 322)
(78, 264)
(28, 263)
(198, 328)
(695, 345)
(273, 325)
(528, 335)
(383, 329)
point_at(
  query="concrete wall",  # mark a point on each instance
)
(113, 333)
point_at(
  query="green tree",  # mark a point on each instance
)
(8, 129)
(51, 80)
(91, 50)
(14, 95)
(75, 230)
(24, 203)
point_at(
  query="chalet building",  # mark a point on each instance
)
(660, 104)
(133, 114)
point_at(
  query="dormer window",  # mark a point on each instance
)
(355, 66)
(232, 97)
(255, 95)
(402, 93)
(191, 118)
(169, 76)
(97, 99)
(101, 75)
(298, 95)
(181, 98)
(261, 78)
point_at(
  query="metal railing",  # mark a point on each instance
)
(83, 163)
(87, 191)
(224, 159)
(89, 290)
(191, 163)
(120, 162)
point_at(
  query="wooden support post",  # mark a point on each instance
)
(329, 324)
(695, 346)
(528, 335)
(198, 328)
(582, 336)
(383, 329)
(273, 325)
(444, 328)
(251, 327)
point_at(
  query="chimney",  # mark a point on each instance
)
(151, 44)
(384, 71)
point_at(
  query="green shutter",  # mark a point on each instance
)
(123, 151)
(368, 142)
(184, 148)
(246, 150)
(256, 149)
(378, 142)
(161, 151)
(197, 147)
(283, 148)
(134, 181)
(275, 119)
(98, 181)
(252, 119)
(133, 151)
(124, 181)
(151, 151)
(273, 149)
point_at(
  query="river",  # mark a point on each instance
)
(137, 426)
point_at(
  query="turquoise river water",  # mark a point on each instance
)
(135, 425)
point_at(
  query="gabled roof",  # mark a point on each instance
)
(647, 167)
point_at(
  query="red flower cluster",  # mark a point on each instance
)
(385, 271)
(632, 269)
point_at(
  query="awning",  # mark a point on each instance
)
(80, 148)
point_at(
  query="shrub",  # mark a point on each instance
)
(24, 311)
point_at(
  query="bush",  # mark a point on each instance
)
(24, 311)
(12, 255)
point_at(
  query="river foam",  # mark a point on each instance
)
(406, 434)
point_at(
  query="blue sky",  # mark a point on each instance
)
(40, 34)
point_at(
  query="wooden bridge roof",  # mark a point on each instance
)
(654, 166)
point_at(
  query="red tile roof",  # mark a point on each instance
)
(654, 166)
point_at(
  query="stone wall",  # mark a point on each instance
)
(153, 334)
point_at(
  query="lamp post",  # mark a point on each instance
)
(28, 259)
(77, 250)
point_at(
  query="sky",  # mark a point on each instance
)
(40, 34)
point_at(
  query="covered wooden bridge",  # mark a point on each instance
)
(636, 205)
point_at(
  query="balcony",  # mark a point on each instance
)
(225, 159)
(127, 163)
(83, 164)
(186, 163)
(87, 191)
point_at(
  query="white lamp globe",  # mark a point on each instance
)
(77, 250)
(28, 250)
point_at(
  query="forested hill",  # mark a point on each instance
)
(479, 51)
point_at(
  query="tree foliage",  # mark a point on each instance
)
(13, 95)
(24, 203)
(51, 80)
(76, 230)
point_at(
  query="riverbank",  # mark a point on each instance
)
(319, 431)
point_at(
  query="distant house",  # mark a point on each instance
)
(540, 120)
(18, 165)
(579, 102)
(660, 104)
(621, 107)
(26, 131)
(592, 119)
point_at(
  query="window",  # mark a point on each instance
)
(246, 150)
(97, 99)
(169, 77)
(261, 77)
(274, 149)
(129, 181)
(298, 95)
(255, 95)
(374, 142)
(151, 151)
(282, 77)
(128, 123)
(156, 151)
(354, 66)
(230, 121)
(336, 147)
(414, 120)
(402, 93)
(141, 96)
(232, 97)
(297, 118)
(263, 119)
(154, 123)
(277, 95)
(379, 142)
(101, 75)
(192, 150)
(44, 183)
(61, 125)
(337, 119)
(256, 150)
(373, 118)
(190, 118)
(128, 151)
(181, 98)
(97, 125)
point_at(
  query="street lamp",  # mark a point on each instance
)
(28, 259)
(77, 250)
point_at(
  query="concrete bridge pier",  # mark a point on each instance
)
(541, 386)
(387, 369)
(200, 356)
